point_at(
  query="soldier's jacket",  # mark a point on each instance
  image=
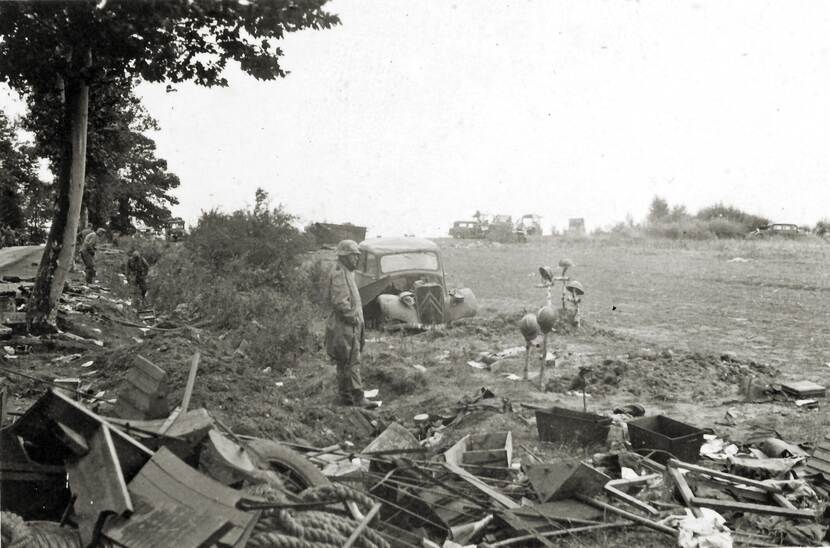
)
(345, 328)
(137, 266)
(90, 243)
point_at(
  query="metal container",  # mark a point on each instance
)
(560, 425)
(668, 436)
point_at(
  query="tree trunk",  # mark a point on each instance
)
(60, 245)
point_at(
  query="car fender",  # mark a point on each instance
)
(392, 309)
(462, 304)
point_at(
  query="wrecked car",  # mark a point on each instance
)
(401, 280)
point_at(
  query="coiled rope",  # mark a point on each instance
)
(282, 528)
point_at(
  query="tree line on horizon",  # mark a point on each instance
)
(716, 221)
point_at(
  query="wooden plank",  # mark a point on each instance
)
(143, 382)
(168, 478)
(504, 500)
(685, 491)
(719, 505)
(723, 475)
(191, 380)
(98, 484)
(150, 369)
(165, 524)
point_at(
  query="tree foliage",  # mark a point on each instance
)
(730, 213)
(658, 210)
(24, 198)
(61, 50)
(125, 181)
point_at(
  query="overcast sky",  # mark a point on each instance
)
(413, 114)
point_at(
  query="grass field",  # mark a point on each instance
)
(774, 308)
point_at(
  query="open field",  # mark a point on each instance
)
(775, 308)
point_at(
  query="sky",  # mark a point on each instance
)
(411, 115)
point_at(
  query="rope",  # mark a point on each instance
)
(281, 528)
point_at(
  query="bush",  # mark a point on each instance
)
(242, 269)
(720, 211)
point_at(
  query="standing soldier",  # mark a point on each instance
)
(345, 329)
(137, 269)
(88, 253)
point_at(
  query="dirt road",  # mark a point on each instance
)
(21, 261)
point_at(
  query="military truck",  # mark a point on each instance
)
(174, 229)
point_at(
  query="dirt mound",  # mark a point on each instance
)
(666, 375)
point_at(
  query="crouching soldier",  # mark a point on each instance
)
(345, 329)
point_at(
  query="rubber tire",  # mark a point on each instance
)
(283, 456)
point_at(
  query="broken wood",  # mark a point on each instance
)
(143, 394)
(766, 509)
(165, 523)
(723, 475)
(684, 490)
(612, 488)
(502, 499)
(98, 485)
(628, 515)
(191, 381)
(166, 478)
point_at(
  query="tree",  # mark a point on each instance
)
(658, 210)
(61, 49)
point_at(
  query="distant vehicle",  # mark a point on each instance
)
(784, 230)
(401, 280)
(530, 225)
(467, 229)
(174, 229)
(576, 227)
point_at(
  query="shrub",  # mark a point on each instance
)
(720, 211)
(242, 269)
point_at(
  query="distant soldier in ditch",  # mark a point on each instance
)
(137, 269)
(345, 328)
(88, 248)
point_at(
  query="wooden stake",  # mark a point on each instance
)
(544, 359)
(191, 380)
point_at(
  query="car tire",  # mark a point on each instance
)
(287, 462)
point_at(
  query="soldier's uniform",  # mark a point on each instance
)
(345, 327)
(137, 269)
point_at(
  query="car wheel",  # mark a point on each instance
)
(297, 472)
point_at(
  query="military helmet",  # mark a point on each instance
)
(347, 247)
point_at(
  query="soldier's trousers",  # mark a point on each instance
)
(89, 265)
(349, 383)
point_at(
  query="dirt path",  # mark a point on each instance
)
(20, 261)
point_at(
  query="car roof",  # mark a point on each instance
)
(397, 245)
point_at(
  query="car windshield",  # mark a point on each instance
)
(419, 260)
